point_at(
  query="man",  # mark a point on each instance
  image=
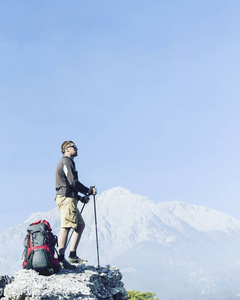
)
(68, 187)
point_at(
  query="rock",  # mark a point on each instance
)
(85, 282)
(4, 280)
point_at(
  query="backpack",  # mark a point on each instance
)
(39, 249)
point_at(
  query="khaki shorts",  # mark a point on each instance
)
(70, 215)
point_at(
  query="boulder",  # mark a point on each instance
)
(4, 280)
(85, 282)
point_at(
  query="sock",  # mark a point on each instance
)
(73, 253)
(61, 257)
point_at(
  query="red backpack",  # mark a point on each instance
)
(39, 249)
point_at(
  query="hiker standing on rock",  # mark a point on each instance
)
(68, 187)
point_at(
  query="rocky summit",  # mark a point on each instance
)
(4, 280)
(85, 282)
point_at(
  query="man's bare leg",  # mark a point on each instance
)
(62, 240)
(76, 236)
(73, 258)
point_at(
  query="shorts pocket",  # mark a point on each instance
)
(71, 216)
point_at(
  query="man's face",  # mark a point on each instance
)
(72, 150)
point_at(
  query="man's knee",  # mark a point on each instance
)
(80, 228)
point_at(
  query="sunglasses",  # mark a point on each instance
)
(74, 146)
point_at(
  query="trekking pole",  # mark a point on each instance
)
(73, 229)
(95, 214)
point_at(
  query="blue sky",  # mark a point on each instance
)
(148, 91)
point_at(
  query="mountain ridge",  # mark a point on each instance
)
(176, 237)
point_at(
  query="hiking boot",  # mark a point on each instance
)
(66, 265)
(76, 260)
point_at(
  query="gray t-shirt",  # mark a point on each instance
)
(67, 183)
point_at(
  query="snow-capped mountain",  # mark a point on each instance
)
(178, 250)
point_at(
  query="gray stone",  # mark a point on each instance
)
(4, 280)
(85, 282)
